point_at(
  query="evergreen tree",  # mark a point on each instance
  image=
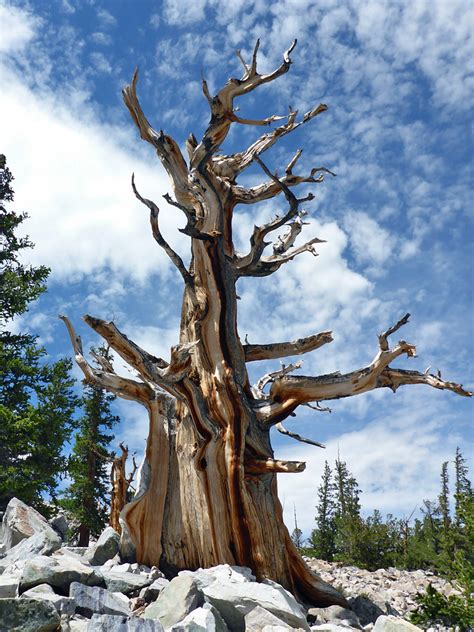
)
(36, 399)
(87, 497)
(322, 538)
(347, 519)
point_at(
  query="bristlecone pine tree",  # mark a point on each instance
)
(208, 491)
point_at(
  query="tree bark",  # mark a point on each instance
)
(207, 492)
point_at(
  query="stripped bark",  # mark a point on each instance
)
(208, 486)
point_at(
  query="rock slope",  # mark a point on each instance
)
(48, 586)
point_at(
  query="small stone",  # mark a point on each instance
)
(205, 618)
(390, 623)
(150, 593)
(8, 586)
(259, 618)
(127, 583)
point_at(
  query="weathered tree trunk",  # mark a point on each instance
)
(120, 484)
(208, 485)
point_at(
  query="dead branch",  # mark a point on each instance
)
(222, 105)
(293, 435)
(106, 377)
(166, 147)
(264, 466)
(288, 392)
(274, 350)
(160, 240)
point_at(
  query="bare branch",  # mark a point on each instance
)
(383, 337)
(297, 437)
(257, 389)
(282, 349)
(160, 240)
(167, 149)
(231, 166)
(264, 466)
(222, 105)
(287, 392)
(148, 366)
(107, 378)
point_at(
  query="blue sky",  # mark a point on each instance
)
(397, 77)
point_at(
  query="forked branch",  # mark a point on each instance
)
(288, 391)
(222, 105)
(105, 377)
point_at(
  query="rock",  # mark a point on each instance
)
(21, 522)
(59, 572)
(105, 548)
(41, 543)
(390, 623)
(236, 600)
(44, 592)
(205, 619)
(28, 615)
(127, 583)
(8, 586)
(107, 623)
(366, 610)
(259, 618)
(222, 574)
(331, 627)
(76, 625)
(60, 524)
(175, 601)
(150, 593)
(336, 614)
(92, 599)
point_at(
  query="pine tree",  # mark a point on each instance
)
(347, 519)
(322, 538)
(36, 398)
(87, 497)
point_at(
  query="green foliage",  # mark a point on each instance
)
(19, 284)
(87, 497)
(322, 538)
(36, 399)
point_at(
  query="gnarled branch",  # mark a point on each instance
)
(160, 240)
(293, 435)
(264, 466)
(282, 349)
(106, 377)
(287, 392)
(166, 147)
(222, 105)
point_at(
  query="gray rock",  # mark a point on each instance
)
(331, 627)
(41, 543)
(44, 592)
(175, 601)
(259, 618)
(58, 572)
(106, 547)
(28, 615)
(108, 622)
(394, 624)
(76, 625)
(222, 574)
(205, 619)
(8, 586)
(150, 593)
(366, 610)
(60, 524)
(336, 614)
(236, 600)
(21, 522)
(92, 599)
(127, 583)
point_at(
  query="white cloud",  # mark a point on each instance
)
(17, 28)
(372, 245)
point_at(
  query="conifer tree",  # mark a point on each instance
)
(322, 538)
(36, 398)
(297, 534)
(87, 497)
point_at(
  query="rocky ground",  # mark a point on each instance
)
(48, 586)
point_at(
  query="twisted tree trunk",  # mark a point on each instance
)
(208, 486)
